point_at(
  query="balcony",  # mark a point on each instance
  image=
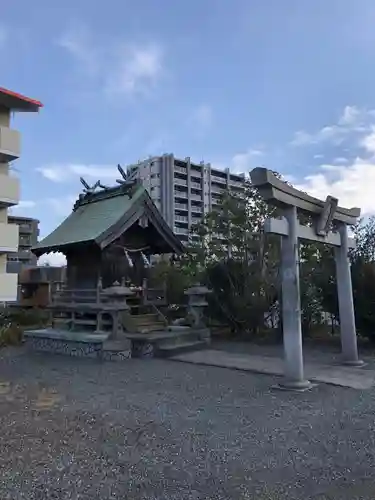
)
(8, 287)
(25, 229)
(9, 191)
(217, 189)
(180, 170)
(181, 230)
(24, 255)
(236, 183)
(215, 178)
(181, 218)
(8, 238)
(181, 206)
(10, 142)
(198, 210)
(196, 185)
(180, 182)
(180, 194)
(196, 197)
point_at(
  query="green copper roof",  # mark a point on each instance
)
(95, 214)
(90, 220)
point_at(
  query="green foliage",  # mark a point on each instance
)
(317, 284)
(14, 320)
(232, 255)
(175, 277)
(10, 335)
(363, 277)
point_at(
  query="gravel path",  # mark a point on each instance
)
(155, 429)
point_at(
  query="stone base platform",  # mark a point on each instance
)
(129, 345)
(78, 344)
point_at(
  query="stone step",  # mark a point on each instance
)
(116, 345)
(179, 338)
(146, 319)
(168, 350)
(156, 327)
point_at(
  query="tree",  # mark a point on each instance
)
(363, 276)
(237, 260)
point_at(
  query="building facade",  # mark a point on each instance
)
(184, 191)
(28, 230)
(10, 148)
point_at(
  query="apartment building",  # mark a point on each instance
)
(28, 237)
(10, 147)
(184, 191)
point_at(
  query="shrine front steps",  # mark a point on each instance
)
(172, 341)
(147, 323)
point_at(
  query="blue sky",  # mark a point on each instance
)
(285, 84)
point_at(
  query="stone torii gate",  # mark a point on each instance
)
(289, 200)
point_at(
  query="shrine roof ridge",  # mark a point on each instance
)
(279, 193)
(127, 189)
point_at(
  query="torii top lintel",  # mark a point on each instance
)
(279, 193)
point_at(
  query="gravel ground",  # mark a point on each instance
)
(155, 429)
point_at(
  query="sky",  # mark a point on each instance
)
(289, 85)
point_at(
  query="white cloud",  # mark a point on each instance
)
(340, 160)
(243, 162)
(77, 42)
(368, 142)
(23, 205)
(350, 116)
(202, 116)
(117, 68)
(62, 206)
(352, 185)
(68, 171)
(137, 69)
(353, 120)
(52, 259)
(350, 180)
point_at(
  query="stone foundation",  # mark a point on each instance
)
(77, 344)
(115, 355)
(66, 347)
(142, 349)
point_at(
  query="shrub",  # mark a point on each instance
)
(10, 335)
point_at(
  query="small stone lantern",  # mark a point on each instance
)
(196, 304)
(115, 304)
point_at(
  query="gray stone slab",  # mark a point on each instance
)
(355, 378)
(69, 336)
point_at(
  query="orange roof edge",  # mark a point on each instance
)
(10, 93)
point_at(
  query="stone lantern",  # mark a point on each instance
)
(196, 305)
(115, 303)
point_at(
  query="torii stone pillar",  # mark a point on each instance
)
(345, 298)
(291, 304)
(289, 199)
